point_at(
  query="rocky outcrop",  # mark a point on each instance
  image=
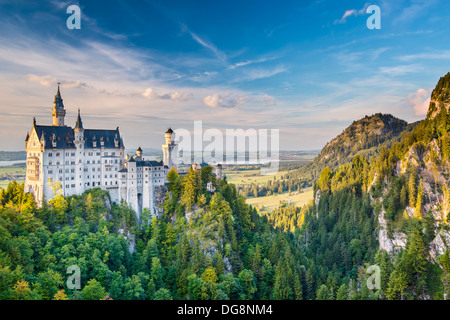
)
(160, 195)
(393, 243)
(130, 238)
(439, 244)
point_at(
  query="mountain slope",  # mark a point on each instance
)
(363, 137)
(405, 190)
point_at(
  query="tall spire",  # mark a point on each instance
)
(79, 123)
(58, 111)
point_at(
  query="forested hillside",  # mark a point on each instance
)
(390, 210)
(364, 137)
(205, 246)
(407, 190)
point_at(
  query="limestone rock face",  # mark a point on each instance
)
(438, 245)
(160, 194)
(316, 201)
(129, 237)
(390, 244)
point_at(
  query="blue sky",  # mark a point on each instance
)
(308, 68)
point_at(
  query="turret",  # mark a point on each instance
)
(58, 111)
(139, 152)
(79, 130)
(168, 136)
(169, 149)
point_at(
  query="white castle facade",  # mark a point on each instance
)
(81, 159)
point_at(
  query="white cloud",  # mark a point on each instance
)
(352, 12)
(206, 44)
(420, 100)
(400, 70)
(223, 101)
(246, 63)
(259, 73)
(49, 81)
(152, 94)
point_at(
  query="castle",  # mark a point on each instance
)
(79, 159)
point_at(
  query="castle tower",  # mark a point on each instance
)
(58, 111)
(218, 168)
(79, 155)
(139, 153)
(169, 149)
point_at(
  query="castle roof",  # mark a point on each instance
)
(107, 136)
(79, 123)
(65, 137)
(169, 130)
(149, 163)
(58, 102)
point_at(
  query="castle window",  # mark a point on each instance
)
(73, 154)
(49, 163)
(50, 154)
(58, 154)
(50, 171)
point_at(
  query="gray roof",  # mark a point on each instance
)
(149, 163)
(108, 136)
(65, 136)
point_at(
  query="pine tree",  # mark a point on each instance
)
(342, 293)
(190, 189)
(419, 201)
